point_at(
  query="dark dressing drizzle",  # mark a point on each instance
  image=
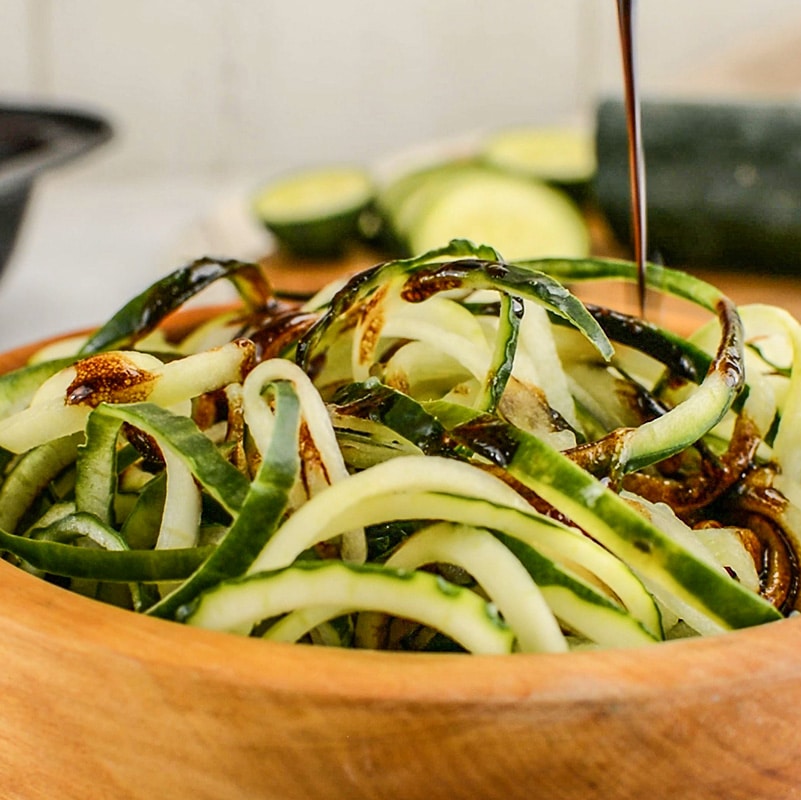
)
(626, 11)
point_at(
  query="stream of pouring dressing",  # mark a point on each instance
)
(626, 22)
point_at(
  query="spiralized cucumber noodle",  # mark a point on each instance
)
(443, 453)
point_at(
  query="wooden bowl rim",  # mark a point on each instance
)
(56, 618)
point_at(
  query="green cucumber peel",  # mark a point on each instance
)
(501, 576)
(147, 310)
(141, 526)
(717, 392)
(226, 484)
(436, 488)
(73, 526)
(96, 467)
(397, 411)
(31, 474)
(261, 511)
(496, 564)
(694, 417)
(664, 279)
(53, 551)
(519, 281)
(406, 417)
(238, 604)
(577, 604)
(627, 534)
(504, 355)
(678, 354)
(497, 569)
(478, 268)
(574, 491)
(608, 519)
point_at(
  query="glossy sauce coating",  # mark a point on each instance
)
(108, 377)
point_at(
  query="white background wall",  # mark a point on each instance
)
(210, 96)
(266, 84)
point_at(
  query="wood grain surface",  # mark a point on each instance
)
(102, 703)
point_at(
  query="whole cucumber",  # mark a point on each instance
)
(723, 182)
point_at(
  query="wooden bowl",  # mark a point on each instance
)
(98, 702)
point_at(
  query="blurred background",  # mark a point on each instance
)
(208, 99)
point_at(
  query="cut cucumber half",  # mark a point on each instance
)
(564, 157)
(315, 212)
(724, 182)
(399, 200)
(520, 218)
(400, 197)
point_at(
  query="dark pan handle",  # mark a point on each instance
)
(34, 139)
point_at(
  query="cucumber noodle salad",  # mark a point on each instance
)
(448, 452)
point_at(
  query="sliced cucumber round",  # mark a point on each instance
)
(520, 218)
(564, 157)
(317, 211)
(399, 199)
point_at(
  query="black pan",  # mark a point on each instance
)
(32, 140)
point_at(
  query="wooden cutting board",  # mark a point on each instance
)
(300, 278)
